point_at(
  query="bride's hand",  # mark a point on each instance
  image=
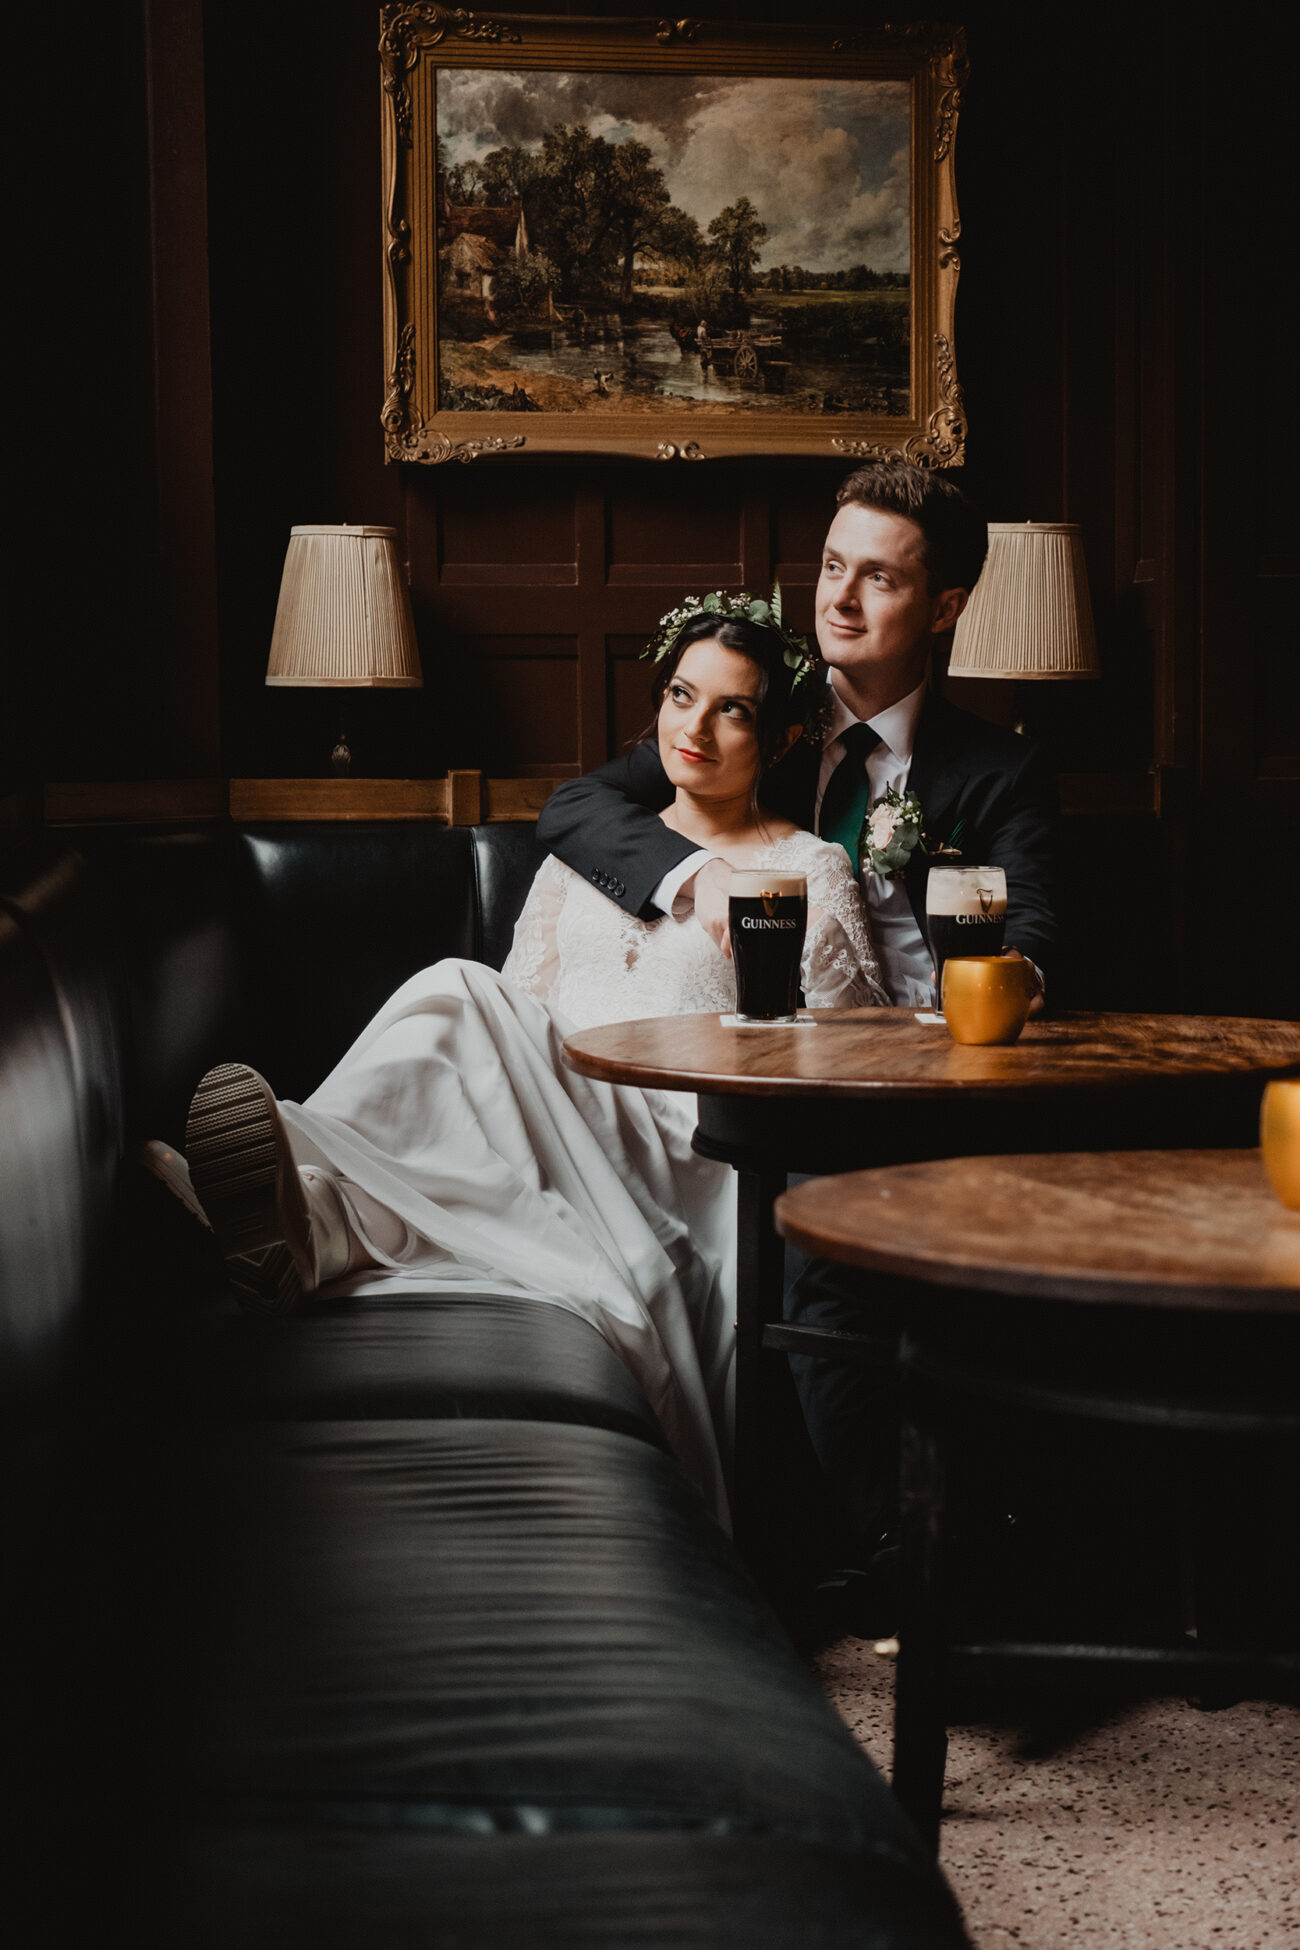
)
(712, 897)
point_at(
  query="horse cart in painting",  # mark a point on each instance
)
(756, 359)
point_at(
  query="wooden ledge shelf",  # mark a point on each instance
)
(303, 799)
(460, 799)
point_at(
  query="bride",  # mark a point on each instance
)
(452, 1151)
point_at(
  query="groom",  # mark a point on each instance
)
(900, 560)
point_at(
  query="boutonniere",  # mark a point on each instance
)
(894, 828)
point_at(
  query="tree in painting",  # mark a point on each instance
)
(737, 233)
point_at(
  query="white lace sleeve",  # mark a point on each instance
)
(840, 970)
(533, 963)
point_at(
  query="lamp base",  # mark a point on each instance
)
(341, 757)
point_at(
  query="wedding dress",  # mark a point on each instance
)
(467, 1158)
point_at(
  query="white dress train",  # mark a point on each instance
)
(468, 1159)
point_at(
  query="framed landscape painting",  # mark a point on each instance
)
(677, 240)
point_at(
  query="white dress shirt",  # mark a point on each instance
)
(906, 967)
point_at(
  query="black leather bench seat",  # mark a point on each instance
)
(472, 1626)
(420, 1355)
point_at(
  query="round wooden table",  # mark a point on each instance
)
(861, 1087)
(1184, 1229)
(894, 1054)
(1157, 1288)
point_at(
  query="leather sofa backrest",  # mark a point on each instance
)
(274, 944)
(342, 915)
(176, 907)
(51, 895)
(46, 1247)
(506, 858)
(61, 1110)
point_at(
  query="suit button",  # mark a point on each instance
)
(616, 887)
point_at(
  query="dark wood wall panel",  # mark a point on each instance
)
(1249, 755)
(495, 518)
(679, 514)
(1125, 318)
(1277, 719)
(506, 550)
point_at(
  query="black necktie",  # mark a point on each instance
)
(844, 802)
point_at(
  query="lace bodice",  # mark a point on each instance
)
(591, 962)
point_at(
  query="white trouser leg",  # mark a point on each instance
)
(332, 1242)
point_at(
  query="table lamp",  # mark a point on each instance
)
(344, 617)
(1029, 616)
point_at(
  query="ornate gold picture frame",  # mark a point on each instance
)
(675, 240)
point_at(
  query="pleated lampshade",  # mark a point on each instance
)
(1029, 615)
(344, 615)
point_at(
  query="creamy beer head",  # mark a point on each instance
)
(965, 912)
(769, 916)
(977, 892)
(751, 883)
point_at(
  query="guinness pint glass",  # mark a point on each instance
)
(769, 918)
(965, 913)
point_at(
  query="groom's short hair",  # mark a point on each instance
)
(956, 533)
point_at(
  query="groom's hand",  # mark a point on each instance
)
(712, 900)
(1039, 1004)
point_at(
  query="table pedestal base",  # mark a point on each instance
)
(951, 1376)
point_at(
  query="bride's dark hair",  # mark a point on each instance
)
(779, 701)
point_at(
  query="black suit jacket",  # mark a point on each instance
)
(962, 769)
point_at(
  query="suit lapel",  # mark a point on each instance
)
(792, 786)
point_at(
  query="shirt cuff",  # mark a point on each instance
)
(675, 893)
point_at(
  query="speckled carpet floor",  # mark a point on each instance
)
(1157, 1826)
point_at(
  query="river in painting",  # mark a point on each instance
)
(605, 360)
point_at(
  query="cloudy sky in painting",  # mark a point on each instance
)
(825, 163)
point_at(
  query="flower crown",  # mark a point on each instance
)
(727, 608)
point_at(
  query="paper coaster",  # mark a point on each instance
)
(928, 1015)
(738, 1022)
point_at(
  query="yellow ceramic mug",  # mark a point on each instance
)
(1279, 1139)
(986, 998)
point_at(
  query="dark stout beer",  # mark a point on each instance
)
(769, 917)
(965, 912)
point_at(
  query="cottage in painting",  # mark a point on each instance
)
(477, 240)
